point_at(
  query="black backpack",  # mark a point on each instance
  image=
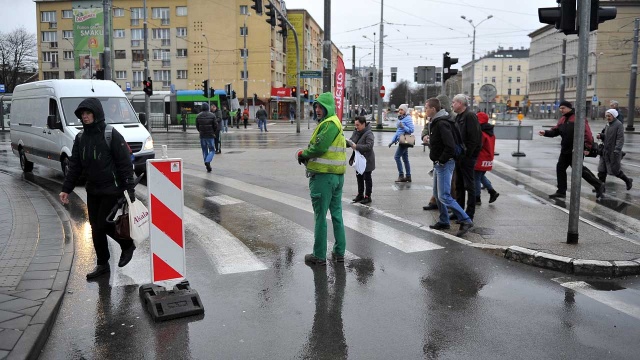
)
(108, 136)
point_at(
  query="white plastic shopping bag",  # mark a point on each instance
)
(359, 163)
(138, 221)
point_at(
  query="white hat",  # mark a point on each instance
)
(613, 113)
(404, 107)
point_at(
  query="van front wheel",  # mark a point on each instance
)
(25, 165)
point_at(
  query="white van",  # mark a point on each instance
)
(44, 126)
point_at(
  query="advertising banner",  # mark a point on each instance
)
(340, 84)
(88, 37)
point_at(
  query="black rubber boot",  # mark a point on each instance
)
(626, 180)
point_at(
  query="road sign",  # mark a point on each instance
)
(172, 88)
(310, 74)
(595, 98)
(488, 92)
(128, 86)
(2, 88)
(382, 91)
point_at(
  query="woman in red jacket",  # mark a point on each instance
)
(485, 158)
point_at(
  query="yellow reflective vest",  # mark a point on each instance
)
(334, 161)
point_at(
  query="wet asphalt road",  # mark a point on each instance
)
(452, 302)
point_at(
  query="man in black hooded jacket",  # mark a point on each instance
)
(109, 172)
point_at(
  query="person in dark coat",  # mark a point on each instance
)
(469, 127)
(485, 158)
(611, 156)
(206, 125)
(362, 141)
(564, 128)
(218, 114)
(109, 173)
(226, 118)
(441, 151)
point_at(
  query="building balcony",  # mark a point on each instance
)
(136, 64)
(53, 25)
(54, 65)
(135, 22)
(135, 43)
(165, 42)
(53, 45)
(165, 22)
(166, 63)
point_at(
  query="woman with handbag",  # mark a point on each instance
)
(403, 136)
(362, 141)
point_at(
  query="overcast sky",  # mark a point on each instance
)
(417, 32)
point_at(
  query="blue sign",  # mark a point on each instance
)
(595, 98)
(173, 88)
(277, 98)
(2, 88)
(128, 86)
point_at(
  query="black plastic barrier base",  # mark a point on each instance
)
(165, 304)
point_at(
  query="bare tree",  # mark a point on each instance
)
(18, 55)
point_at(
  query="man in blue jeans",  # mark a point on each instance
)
(441, 151)
(207, 125)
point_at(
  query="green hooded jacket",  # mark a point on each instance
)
(327, 142)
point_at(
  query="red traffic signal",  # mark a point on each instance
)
(306, 94)
(148, 86)
(294, 91)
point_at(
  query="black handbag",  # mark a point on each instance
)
(121, 224)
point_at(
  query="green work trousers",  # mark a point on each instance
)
(326, 194)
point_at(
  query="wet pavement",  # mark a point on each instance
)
(404, 292)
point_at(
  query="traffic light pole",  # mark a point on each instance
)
(147, 101)
(634, 77)
(380, 72)
(295, 38)
(584, 13)
(326, 48)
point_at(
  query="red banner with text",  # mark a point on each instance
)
(340, 84)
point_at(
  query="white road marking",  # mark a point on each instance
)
(385, 234)
(223, 200)
(604, 297)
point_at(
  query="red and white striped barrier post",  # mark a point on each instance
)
(166, 236)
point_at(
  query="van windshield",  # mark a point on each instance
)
(116, 111)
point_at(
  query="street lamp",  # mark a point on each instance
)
(360, 67)
(208, 73)
(473, 54)
(595, 86)
(245, 61)
(374, 73)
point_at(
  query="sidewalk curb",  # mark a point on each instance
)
(581, 267)
(35, 336)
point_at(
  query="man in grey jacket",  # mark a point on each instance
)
(262, 115)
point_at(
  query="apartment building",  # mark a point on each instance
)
(188, 41)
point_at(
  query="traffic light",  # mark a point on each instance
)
(371, 76)
(600, 14)
(271, 15)
(394, 77)
(306, 94)
(233, 94)
(227, 89)
(447, 71)
(257, 6)
(294, 91)
(205, 88)
(100, 74)
(562, 17)
(148, 86)
(283, 26)
(211, 92)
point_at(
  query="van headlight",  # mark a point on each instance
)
(148, 144)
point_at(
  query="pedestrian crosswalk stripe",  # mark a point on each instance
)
(223, 200)
(608, 298)
(383, 233)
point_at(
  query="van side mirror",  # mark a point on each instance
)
(53, 123)
(143, 118)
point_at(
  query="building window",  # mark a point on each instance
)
(163, 76)
(47, 16)
(182, 53)
(67, 34)
(485, 79)
(510, 79)
(161, 34)
(118, 12)
(517, 91)
(510, 67)
(493, 79)
(121, 75)
(519, 68)
(182, 74)
(67, 55)
(162, 14)
(181, 32)
(590, 78)
(69, 75)
(518, 79)
(67, 14)
(493, 68)
(161, 54)
(49, 36)
(136, 15)
(244, 9)
(137, 34)
(486, 68)
(49, 56)
(244, 53)
(242, 75)
(508, 91)
(137, 55)
(118, 33)
(244, 31)
(137, 79)
(51, 75)
(120, 54)
(181, 11)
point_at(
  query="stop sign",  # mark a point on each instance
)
(382, 91)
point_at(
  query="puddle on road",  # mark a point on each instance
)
(605, 286)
